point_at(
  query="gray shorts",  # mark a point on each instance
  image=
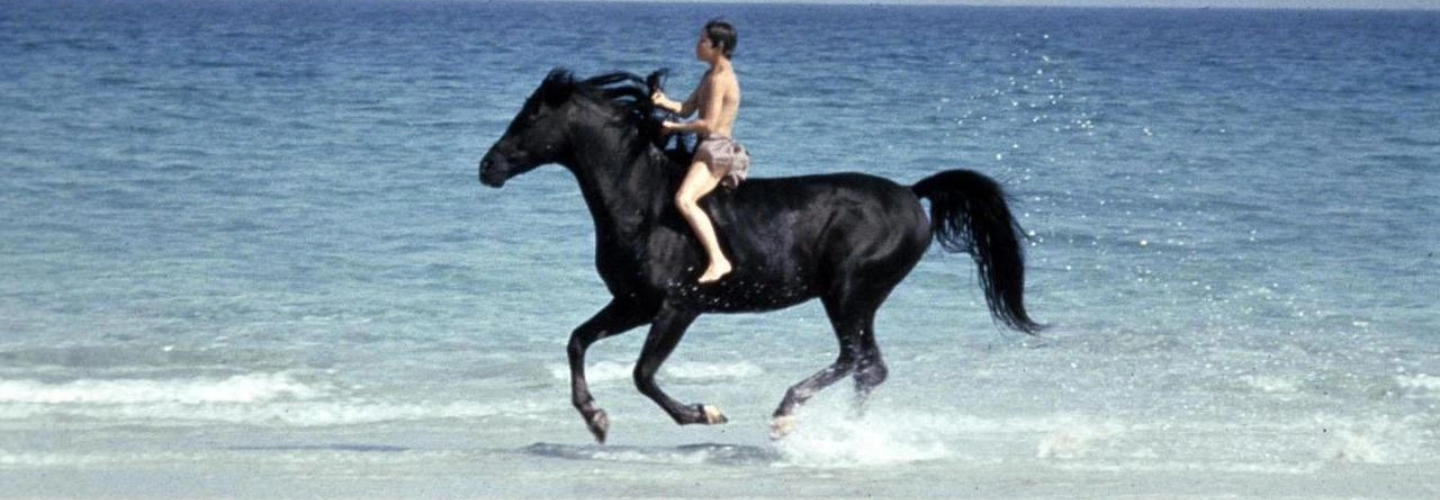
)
(725, 157)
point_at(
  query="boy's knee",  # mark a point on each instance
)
(686, 205)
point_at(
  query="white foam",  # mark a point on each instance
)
(1355, 447)
(826, 436)
(237, 389)
(354, 413)
(1419, 382)
(642, 456)
(596, 373)
(13, 458)
(1375, 440)
(714, 371)
(866, 442)
(1269, 384)
(252, 399)
(610, 371)
(1075, 439)
(1152, 465)
(23, 458)
(288, 414)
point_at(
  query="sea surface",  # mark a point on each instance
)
(244, 254)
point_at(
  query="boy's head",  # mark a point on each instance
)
(722, 36)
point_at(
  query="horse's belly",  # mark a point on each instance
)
(737, 294)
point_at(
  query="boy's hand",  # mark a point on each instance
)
(663, 102)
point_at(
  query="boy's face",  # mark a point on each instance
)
(704, 49)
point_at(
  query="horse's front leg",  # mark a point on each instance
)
(665, 333)
(614, 319)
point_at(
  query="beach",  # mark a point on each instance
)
(246, 255)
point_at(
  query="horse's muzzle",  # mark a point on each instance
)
(489, 174)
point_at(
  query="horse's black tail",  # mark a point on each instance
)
(968, 214)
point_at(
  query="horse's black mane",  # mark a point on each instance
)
(629, 95)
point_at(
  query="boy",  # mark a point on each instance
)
(718, 158)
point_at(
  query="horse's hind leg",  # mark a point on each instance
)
(870, 370)
(614, 319)
(665, 334)
(784, 420)
(853, 326)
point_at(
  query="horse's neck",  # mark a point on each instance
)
(624, 194)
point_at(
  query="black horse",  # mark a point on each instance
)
(847, 239)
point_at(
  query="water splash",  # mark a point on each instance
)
(830, 438)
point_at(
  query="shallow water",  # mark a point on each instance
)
(246, 255)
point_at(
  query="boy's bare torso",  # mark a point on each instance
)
(719, 95)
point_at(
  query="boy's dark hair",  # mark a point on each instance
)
(722, 36)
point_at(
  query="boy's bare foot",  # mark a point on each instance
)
(716, 271)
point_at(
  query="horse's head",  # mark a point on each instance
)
(538, 135)
(564, 114)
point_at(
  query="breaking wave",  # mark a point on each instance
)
(254, 399)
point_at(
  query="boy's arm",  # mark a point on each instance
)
(714, 104)
(683, 109)
(691, 104)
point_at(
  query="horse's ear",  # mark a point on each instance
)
(656, 80)
(557, 87)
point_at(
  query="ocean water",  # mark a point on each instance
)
(244, 254)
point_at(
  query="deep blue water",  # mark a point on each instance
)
(244, 239)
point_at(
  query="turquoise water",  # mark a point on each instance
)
(245, 254)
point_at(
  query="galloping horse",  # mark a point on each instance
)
(847, 239)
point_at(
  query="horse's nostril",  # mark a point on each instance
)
(484, 167)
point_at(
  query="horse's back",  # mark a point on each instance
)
(814, 225)
(857, 180)
(768, 201)
(804, 193)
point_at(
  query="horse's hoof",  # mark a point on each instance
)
(599, 424)
(713, 416)
(781, 427)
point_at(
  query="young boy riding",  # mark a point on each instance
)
(718, 158)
